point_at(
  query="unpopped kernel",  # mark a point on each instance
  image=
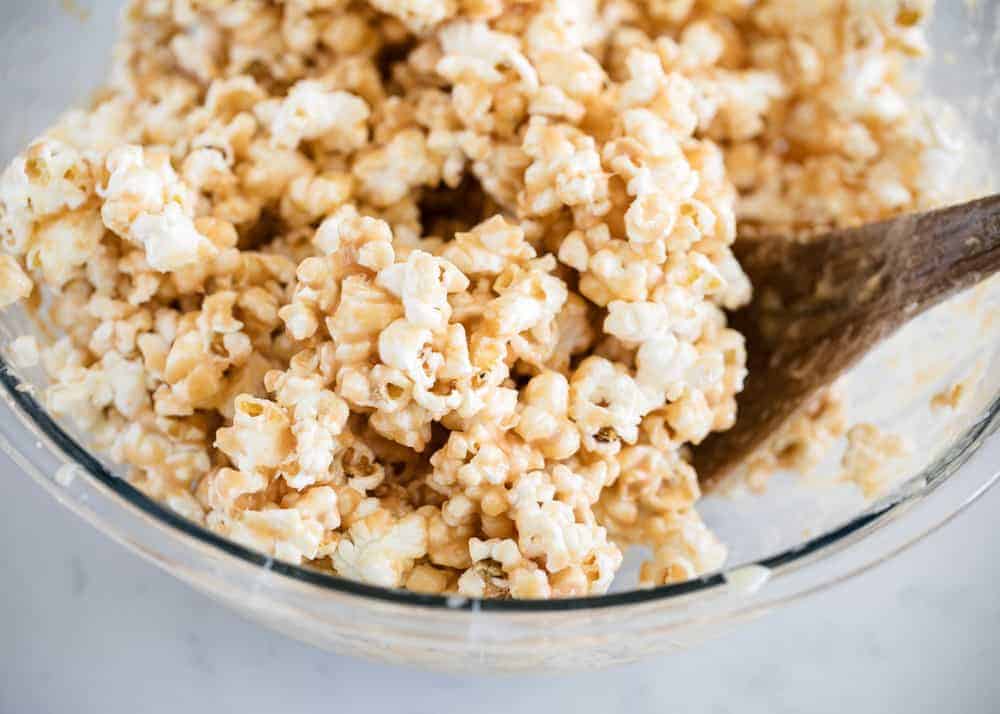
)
(432, 293)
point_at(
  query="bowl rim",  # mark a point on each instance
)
(874, 516)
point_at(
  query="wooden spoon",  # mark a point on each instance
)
(821, 304)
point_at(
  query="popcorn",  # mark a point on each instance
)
(171, 240)
(432, 293)
(48, 179)
(379, 549)
(24, 352)
(146, 203)
(391, 172)
(488, 248)
(864, 461)
(566, 171)
(606, 404)
(261, 435)
(803, 440)
(311, 111)
(14, 283)
(418, 14)
(686, 549)
(543, 416)
(423, 284)
(830, 91)
(472, 49)
(549, 532)
(281, 532)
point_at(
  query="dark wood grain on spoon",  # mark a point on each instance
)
(821, 304)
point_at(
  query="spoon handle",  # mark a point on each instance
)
(961, 247)
(879, 275)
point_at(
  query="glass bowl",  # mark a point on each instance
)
(801, 535)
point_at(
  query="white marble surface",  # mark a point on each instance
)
(87, 627)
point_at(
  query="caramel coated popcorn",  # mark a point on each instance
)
(432, 293)
(866, 461)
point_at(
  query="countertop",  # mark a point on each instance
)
(86, 626)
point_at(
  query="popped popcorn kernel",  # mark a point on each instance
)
(15, 284)
(311, 111)
(24, 351)
(379, 550)
(864, 461)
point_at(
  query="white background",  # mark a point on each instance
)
(87, 627)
